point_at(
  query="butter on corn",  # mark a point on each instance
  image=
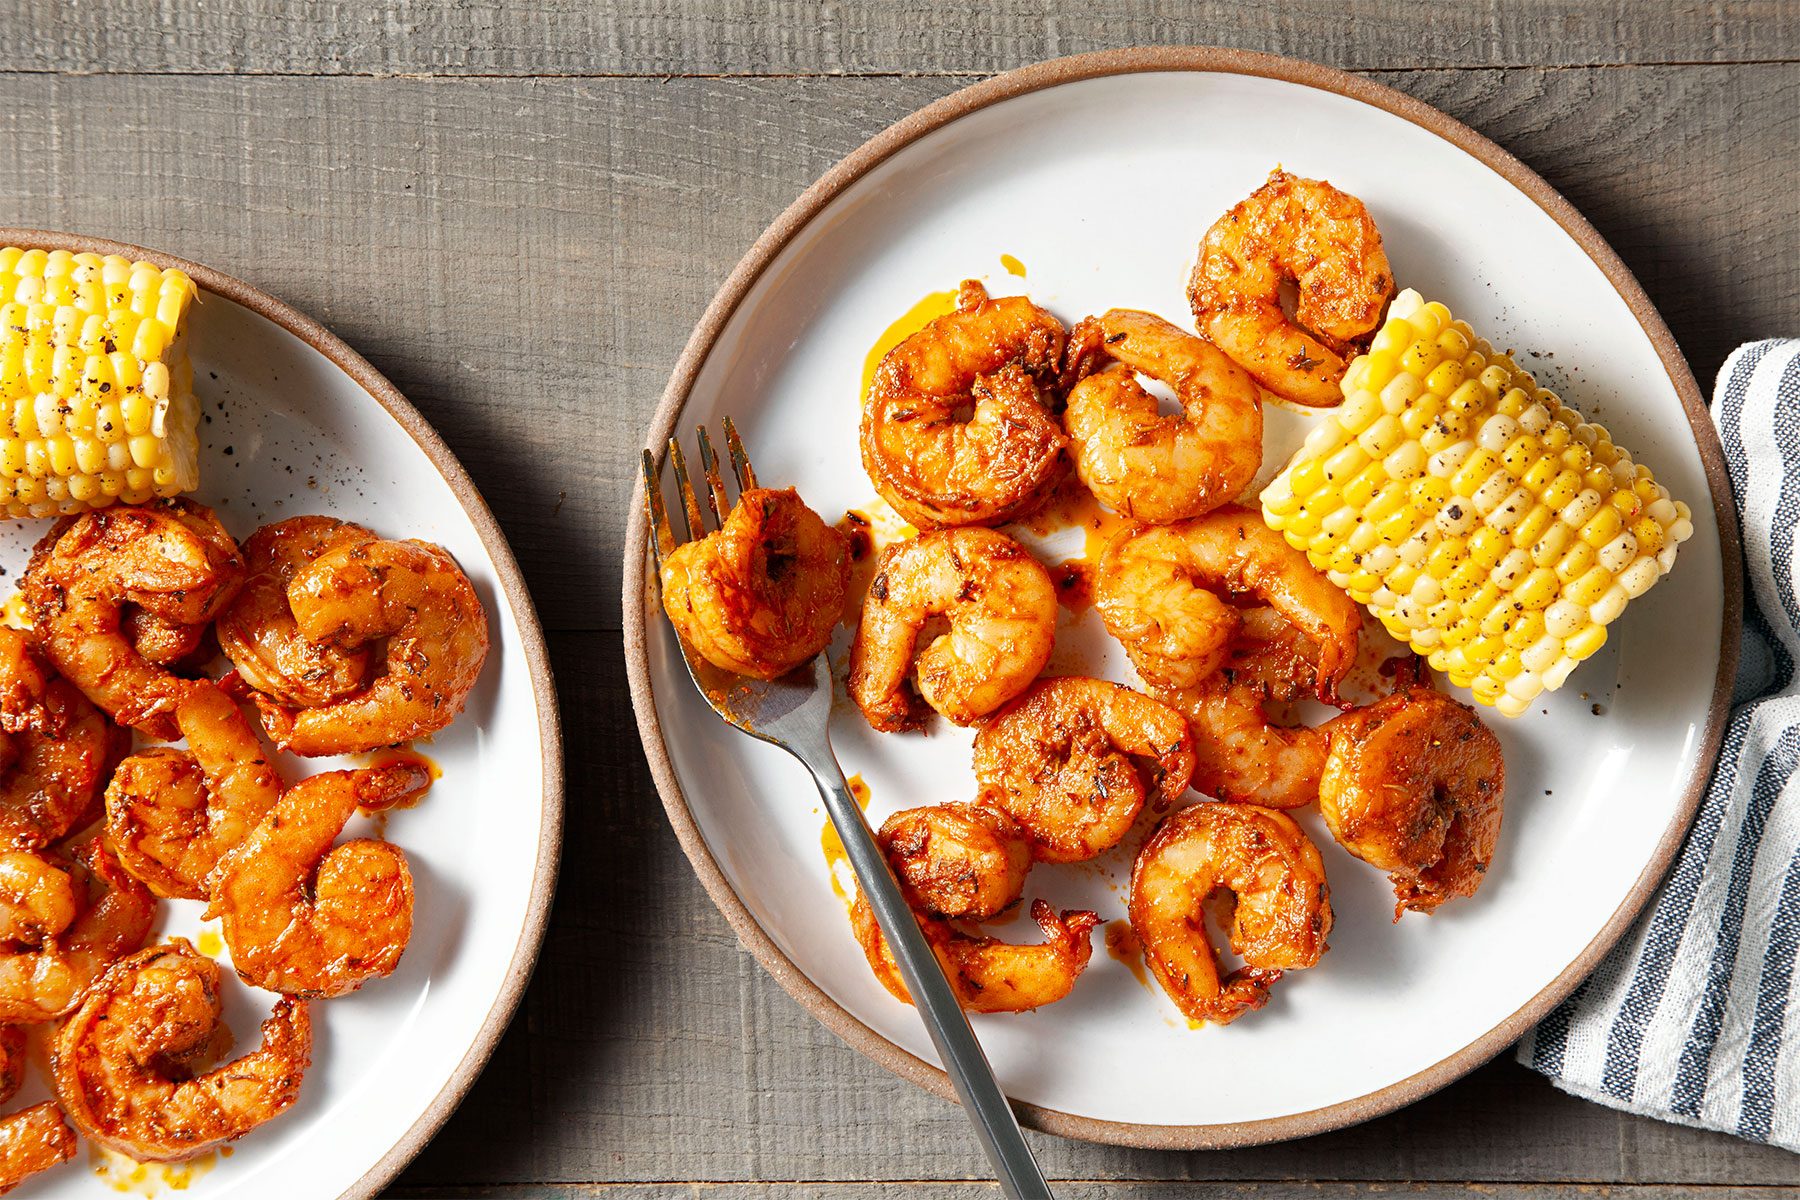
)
(1479, 519)
(96, 393)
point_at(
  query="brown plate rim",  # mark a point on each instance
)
(531, 638)
(1168, 59)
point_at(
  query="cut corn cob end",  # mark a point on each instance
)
(1480, 520)
(96, 393)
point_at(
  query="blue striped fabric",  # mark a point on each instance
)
(1694, 1017)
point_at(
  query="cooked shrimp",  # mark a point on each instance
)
(307, 918)
(124, 1065)
(991, 976)
(1001, 609)
(1280, 905)
(1240, 754)
(1163, 468)
(957, 860)
(762, 594)
(40, 981)
(12, 1061)
(1272, 654)
(1323, 241)
(24, 691)
(55, 772)
(413, 595)
(172, 559)
(1414, 785)
(258, 632)
(1162, 592)
(957, 428)
(183, 649)
(171, 815)
(1073, 760)
(31, 1140)
(37, 899)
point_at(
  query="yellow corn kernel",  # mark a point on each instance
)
(1360, 491)
(1478, 606)
(1488, 546)
(1538, 589)
(1397, 528)
(1532, 526)
(1548, 550)
(1577, 562)
(1562, 491)
(1583, 644)
(1591, 586)
(1527, 628)
(1306, 477)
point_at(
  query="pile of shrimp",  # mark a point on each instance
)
(335, 641)
(974, 422)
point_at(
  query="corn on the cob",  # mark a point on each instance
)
(1480, 520)
(96, 394)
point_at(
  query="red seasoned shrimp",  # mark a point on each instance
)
(1153, 467)
(1280, 912)
(171, 558)
(1163, 592)
(413, 595)
(1074, 759)
(1322, 240)
(1240, 754)
(998, 362)
(957, 860)
(1001, 609)
(763, 593)
(171, 815)
(308, 918)
(125, 1064)
(988, 975)
(32, 1140)
(41, 978)
(1414, 785)
(258, 632)
(55, 749)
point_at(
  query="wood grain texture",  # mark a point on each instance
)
(525, 257)
(853, 37)
(652, 1048)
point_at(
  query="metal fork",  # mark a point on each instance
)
(794, 712)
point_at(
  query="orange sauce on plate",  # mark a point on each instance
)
(1123, 945)
(930, 307)
(125, 1174)
(833, 845)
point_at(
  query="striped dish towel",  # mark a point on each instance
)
(1695, 1016)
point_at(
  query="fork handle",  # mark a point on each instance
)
(971, 1075)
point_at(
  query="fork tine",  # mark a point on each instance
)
(740, 461)
(662, 538)
(715, 486)
(690, 505)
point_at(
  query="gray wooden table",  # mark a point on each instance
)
(517, 209)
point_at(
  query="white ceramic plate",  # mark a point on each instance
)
(1099, 175)
(298, 423)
